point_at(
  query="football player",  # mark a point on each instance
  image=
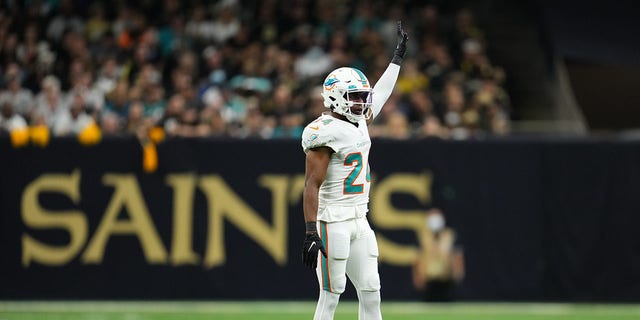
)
(337, 183)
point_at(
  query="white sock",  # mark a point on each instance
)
(369, 305)
(327, 304)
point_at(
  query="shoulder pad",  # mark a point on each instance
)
(319, 133)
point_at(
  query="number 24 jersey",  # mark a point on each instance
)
(348, 179)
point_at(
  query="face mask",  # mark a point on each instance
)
(435, 222)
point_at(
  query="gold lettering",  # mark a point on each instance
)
(224, 203)
(36, 217)
(297, 186)
(385, 216)
(183, 186)
(277, 236)
(127, 196)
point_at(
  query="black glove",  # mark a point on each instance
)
(312, 243)
(401, 48)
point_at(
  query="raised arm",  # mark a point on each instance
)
(384, 87)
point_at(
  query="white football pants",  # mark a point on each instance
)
(352, 251)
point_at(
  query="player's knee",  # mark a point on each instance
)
(371, 283)
(338, 284)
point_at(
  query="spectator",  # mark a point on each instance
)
(280, 102)
(212, 123)
(226, 25)
(201, 27)
(412, 78)
(117, 101)
(9, 119)
(315, 104)
(254, 126)
(20, 98)
(97, 24)
(475, 64)
(464, 28)
(432, 128)
(74, 120)
(440, 262)
(420, 106)
(315, 62)
(135, 118)
(108, 76)
(365, 18)
(429, 24)
(224, 62)
(247, 87)
(50, 104)
(213, 71)
(66, 19)
(82, 84)
(182, 84)
(397, 126)
(27, 51)
(172, 118)
(172, 37)
(111, 124)
(290, 126)
(8, 46)
(438, 67)
(454, 106)
(489, 107)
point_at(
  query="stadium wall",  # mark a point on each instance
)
(538, 220)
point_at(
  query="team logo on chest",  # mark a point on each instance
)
(362, 144)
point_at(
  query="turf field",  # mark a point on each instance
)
(304, 310)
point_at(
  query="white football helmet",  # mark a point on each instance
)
(347, 92)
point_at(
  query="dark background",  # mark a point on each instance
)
(539, 220)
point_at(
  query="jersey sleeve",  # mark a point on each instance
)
(384, 87)
(317, 134)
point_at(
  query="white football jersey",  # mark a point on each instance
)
(344, 194)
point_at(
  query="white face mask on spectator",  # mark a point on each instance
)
(435, 222)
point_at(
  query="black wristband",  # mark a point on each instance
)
(311, 226)
(397, 60)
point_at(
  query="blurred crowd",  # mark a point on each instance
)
(240, 69)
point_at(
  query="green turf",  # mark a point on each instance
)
(304, 310)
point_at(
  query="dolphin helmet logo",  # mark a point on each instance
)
(331, 81)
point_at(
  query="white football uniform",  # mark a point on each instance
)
(343, 200)
(344, 194)
(342, 205)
